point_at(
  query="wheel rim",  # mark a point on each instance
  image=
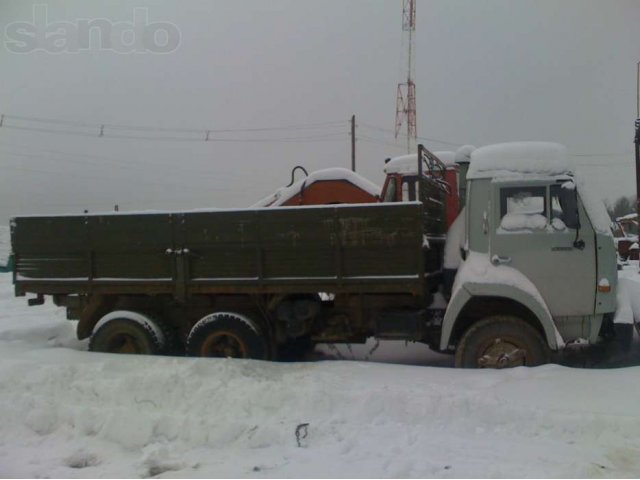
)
(223, 345)
(502, 352)
(124, 343)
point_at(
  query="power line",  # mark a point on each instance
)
(368, 139)
(53, 121)
(305, 132)
(204, 137)
(112, 130)
(390, 132)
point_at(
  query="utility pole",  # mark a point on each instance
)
(637, 140)
(353, 143)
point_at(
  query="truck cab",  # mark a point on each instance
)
(538, 255)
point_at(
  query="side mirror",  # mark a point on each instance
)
(569, 202)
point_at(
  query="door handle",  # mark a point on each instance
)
(500, 260)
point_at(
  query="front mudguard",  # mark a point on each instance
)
(471, 290)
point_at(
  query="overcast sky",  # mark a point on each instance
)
(486, 72)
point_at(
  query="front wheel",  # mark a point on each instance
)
(227, 335)
(501, 342)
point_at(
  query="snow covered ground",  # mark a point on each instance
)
(65, 412)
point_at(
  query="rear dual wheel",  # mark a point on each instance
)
(227, 335)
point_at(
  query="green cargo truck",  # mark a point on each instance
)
(525, 270)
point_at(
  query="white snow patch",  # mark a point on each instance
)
(629, 216)
(408, 164)
(210, 210)
(463, 154)
(286, 193)
(454, 242)
(522, 221)
(519, 158)
(624, 311)
(558, 224)
(594, 205)
(446, 157)
(629, 291)
(65, 412)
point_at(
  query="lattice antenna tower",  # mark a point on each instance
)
(406, 95)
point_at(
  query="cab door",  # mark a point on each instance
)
(529, 234)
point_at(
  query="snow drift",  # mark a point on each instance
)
(65, 412)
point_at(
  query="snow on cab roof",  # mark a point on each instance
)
(629, 216)
(519, 158)
(285, 193)
(408, 164)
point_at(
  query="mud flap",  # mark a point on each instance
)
(624, 335)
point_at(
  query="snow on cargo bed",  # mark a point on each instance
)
(65, 412)
(123, 213)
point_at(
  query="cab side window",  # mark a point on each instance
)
(564, 208)
(390, 194)
(409, 189)
(523, 209)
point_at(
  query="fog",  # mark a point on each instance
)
(285, 77)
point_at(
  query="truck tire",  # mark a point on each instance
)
(127, 332)
(227, 335)
(501, 341)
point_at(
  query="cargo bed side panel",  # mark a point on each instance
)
(293, 249)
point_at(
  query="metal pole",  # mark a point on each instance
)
(638, 90)
(353, 143)
(419, 182)
(637, 141)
